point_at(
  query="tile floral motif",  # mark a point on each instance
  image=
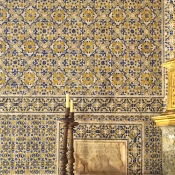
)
(28, 144)
(29, 47)
(29, 78)
(88, 15)
(125, 32)
(30, 15)
(4, 46)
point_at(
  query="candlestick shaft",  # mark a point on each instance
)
(63, 151)
(71, 159)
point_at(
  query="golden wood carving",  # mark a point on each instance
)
(168, 117)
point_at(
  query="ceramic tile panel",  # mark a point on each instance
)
(85, 48)
(30, 143)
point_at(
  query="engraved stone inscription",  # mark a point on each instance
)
(102, 157)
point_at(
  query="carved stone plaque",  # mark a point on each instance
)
(100, 157)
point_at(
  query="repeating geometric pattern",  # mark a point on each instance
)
(28, 144)
(81, 105)
(169, 30)
(96, 48)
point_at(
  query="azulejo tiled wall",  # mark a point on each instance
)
(85, 47)
(106, 54)
(29, 143)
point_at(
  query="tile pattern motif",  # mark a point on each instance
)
(88, 105)
(84, 47)
(28, 144)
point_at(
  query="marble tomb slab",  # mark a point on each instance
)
(102, 157)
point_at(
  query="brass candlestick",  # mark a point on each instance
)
(71, 158)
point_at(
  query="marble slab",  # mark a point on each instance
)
(102, 157)
(168, 150)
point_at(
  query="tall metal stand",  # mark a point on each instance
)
(63, 149)
(71, 159)
(67, 154)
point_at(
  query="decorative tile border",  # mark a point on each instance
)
(82, 105)
(131, 132)
(168, 30)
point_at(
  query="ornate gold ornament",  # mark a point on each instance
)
(168, 117)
